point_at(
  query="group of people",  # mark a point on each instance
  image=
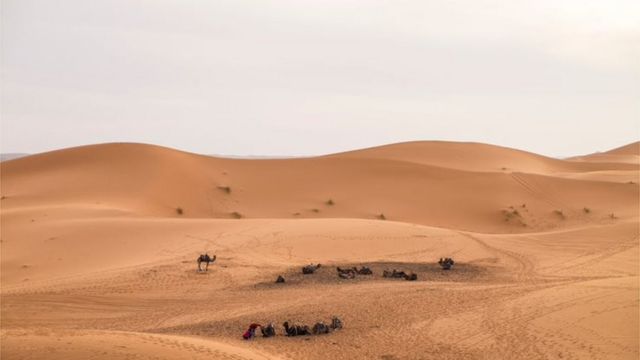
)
(293, 330)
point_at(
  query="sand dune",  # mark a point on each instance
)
(143, 180)
(628, 154)
(98, 263)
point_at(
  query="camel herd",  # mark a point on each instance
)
(317, 329)
(352, 272)
(294, 329)
(343, 273)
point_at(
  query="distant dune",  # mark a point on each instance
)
(456, 185)
(99, 245)
(11, 156)
(629, 154)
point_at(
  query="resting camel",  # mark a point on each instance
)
(268, 331)
(296, 330)
(399, 275)
(310, 269)
(336, 323)
(411, 277)
(346, 273)
(206, 259)
(351, 272)
(394, 274)
(320, 328)
(446, 263)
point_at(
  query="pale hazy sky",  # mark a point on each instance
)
(557, 77)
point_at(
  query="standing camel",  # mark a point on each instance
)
(205, 259)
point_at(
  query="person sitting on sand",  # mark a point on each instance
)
(251, 331)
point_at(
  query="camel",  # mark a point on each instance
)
(394, 274)
(320, 328)
(446, 263)
(280, 279)
(310, 269)
(206, 259)
(345, 271)
(336, 323)
(346, 275)
(364, 271)
(268, 331)
(295, 330)
(399, 275)
(411, 277)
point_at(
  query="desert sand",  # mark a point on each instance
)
(98, 250)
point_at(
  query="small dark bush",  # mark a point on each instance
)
(226, 189)
(179, 211)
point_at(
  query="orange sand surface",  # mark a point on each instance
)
(98, 250)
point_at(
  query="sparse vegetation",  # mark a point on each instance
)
(382, 217)
(559, 213)
(523, 206)
(236, 215)
(315, 210)
(2, 197)
(179, 211)
(613, 216)
(296, 214)
(226, 189)
(509, 214)
(631, 182)
(330, 202)
(586, 210)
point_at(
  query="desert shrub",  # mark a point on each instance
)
(315, 210)
(559, 213)
(179, 211)
(382, 217)
(508, 214)
(226, 189)
(236, 215)
(330, 202)
(586, 210)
